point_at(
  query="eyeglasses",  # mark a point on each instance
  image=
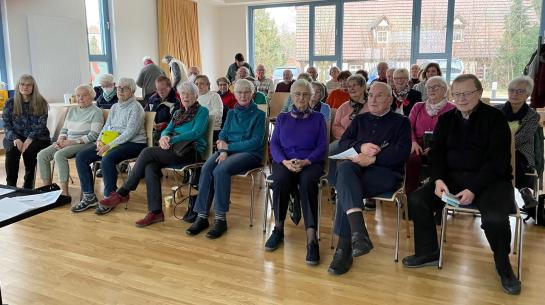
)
(122, 89)
(433, 88)
(516, 91)
(401, 78)
(243, 92)
(465, 95)
(301, 94)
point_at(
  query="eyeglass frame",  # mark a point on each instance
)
(465, 95)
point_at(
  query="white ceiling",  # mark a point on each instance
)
(248, 2)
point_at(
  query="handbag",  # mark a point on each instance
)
(182, 148)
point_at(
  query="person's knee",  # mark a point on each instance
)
(419, 201)
(42, 156)
(494, 221)
(346, 170)
(59, 156)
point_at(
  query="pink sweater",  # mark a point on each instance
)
(342, 119)
(421, 121)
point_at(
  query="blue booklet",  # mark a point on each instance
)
(450, 199)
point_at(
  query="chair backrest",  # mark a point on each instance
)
(486, 100)
(513, 163)
(105, 113)
(209, 138)
(264, 108)
(277, 101)
(265, 159)
(149, 121)
(326, 163)
(55, 120)
(332, 119)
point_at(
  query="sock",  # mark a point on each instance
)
(123, 191)
(220, 216)
(203, 215)
(311, 236)
(344, 243)
(355, 219)
(157, 212)
(279, 225)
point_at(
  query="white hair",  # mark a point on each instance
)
(87, 87)
(244, 84)
(387, 86)
(528, 81)
(189, 87)
(302, 83)
(439, 79)
(129, 82)
(108, 78)
(146, 58)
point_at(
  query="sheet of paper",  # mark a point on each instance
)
(11, 207)
(8, 209)
(5, 191)
(347, 154)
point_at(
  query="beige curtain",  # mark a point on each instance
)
(178, 26)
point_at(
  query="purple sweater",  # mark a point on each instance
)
(299, 139)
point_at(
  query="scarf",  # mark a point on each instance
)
(317, 107)
(510, 116)
(401, 97)
(356, 108)
(240, 107)
(433, 109)
(108, 96)
(299, 115)
(185, 115)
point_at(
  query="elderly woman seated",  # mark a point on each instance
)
(432, 69)
(240, 148)
(288, 105)
(338, 96)
(298, 147)
(122, 137)
(79, 132)
(423, 117)
(404, 96)
(106, 95)
(183, 141)
(524, 123)
(227, 97)
(211, 100)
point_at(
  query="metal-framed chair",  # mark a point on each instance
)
(277, 101)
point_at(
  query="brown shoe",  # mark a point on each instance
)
(113, 200)
(149, 219)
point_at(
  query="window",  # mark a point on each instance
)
(3, 65)
(381, 31)
(382, 36)
(98, 38)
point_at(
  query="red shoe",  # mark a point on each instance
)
(149, 219)
(113, 200)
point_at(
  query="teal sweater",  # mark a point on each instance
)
(244, 130)
(194, 130)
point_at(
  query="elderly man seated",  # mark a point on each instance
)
(382, 139)
(164, 103)
(287, 81)
(470, 158)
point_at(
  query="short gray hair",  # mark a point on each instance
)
(244, 84)
(106, 78)
(188, 87)
(302, 83)
(387, 86)
(359, 79)
(439, 79)
(528, 81)
(129, 82)
(403, 71)
(89, 89)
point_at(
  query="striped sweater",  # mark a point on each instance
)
(82, 123)
(127, 118)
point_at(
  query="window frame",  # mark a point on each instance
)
(106, 37)
(3, 63)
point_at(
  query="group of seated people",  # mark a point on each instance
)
(386, 124)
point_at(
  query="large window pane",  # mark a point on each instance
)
(95, 30)
(279, 34)
(97, 69)
(323, 69)
(494, 40)
(433, 26)
(324, 30)
(374, 31)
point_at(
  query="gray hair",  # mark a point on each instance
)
(109, 78)
(439, 79)
(387, 86)
(402, 71)
(244, 84)
(89, 89)
(305, 76)
(302, 83)
(323, 90)
(129, 82)
(188, 87)
(528, 81)
(359, 79)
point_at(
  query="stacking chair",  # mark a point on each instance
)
(277, 101)
(474, 211)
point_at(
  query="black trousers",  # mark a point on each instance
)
(495, 203)
(354, 183)
(149, 164)
(13, 156)
(286, 182)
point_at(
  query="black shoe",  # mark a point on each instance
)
(220, 227)
(361, 244)
(529, 201)
(370, 205)
(274, 241)
(198, 226)
(63, 199)
(510, 283)
(313, 254)
(341, 263)
(414, 261)
(190, 215)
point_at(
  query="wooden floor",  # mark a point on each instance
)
(59, 257)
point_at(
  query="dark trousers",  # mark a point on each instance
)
(354, 183)
(495, 203)
(414, 172)
(117, 154)
(13, 156)
(215, 180)
(149, 164)
(286, 182)
(523, 180)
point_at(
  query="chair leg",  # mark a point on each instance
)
(406, 211)
(398, 224)
(442, 240)
(519, 255)
(319, 209)
(252, 202)
(333, 212)
(267, 190)
(516, 237)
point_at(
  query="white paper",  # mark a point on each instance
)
(11, 207)
(5, 191)
(347, 154)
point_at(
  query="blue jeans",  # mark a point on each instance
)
(215, 181)
(108, 165)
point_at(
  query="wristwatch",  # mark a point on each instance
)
(79, 141)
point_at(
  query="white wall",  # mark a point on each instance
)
(234, 38)
(209, 26)
(134, 35)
